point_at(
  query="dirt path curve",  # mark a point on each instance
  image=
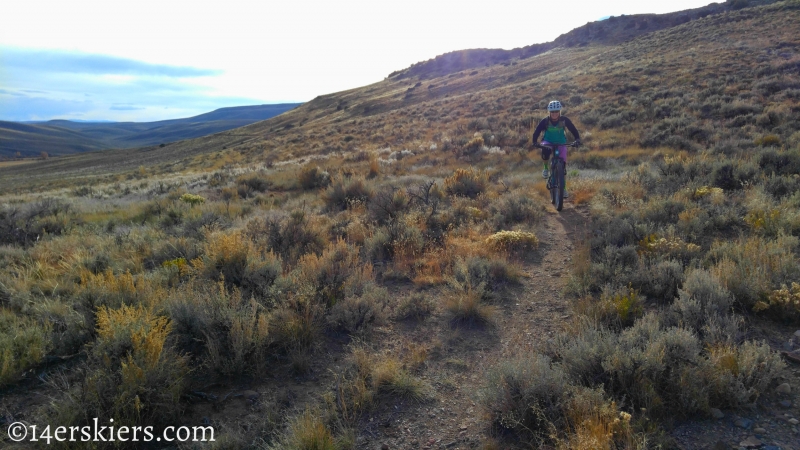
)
(453, 419)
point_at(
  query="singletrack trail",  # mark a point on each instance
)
(536, 310)
(458, 358)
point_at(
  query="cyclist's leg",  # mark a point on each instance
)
(546, 157)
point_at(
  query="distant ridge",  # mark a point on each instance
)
(612, 30)
(63, 137)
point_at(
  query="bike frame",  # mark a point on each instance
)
(558, 173)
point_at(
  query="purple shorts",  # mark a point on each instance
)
(562, 152)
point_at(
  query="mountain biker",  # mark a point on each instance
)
(553, 128)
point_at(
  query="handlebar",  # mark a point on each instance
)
(553, 146)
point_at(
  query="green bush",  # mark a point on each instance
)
(466, 183)
(659, 281)
(387, 206)
(740, 375)
(657, 368)
(248, 184)
(312, 177)
(132, 374)
(289, 237)
(752, 268)
(23, 344)
(225, 331)
(340, 194)
(416, 306)
(528, 396)
(495, 275)
(514, 209)
(357, 313)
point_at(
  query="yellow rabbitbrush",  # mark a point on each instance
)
(512, 241)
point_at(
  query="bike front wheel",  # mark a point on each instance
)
(558, 190)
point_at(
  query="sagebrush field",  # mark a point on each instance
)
(383, 266)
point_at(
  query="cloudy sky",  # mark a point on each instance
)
(149, 60)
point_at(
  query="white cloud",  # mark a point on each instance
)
(291, 51)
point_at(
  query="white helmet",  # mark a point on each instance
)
(555, 105)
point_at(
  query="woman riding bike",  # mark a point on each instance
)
(553, 127)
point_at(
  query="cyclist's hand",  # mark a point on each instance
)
(578, 143)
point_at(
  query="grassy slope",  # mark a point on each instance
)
(638, 77)
(685, 102)
(61, 137)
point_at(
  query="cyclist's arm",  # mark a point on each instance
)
(572, 128)
(539, 130)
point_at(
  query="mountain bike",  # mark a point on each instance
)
(555, 184)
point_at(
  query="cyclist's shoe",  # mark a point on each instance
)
(545, 173)
(566, 194)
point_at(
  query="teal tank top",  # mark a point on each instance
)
(555, 134)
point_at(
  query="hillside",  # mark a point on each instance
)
(63, 137)
(381, 267)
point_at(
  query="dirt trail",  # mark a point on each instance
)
(458, 359)
(537, 310)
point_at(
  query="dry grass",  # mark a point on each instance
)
(670, 175)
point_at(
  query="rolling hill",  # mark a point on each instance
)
(63, 137)
(619, 90)
(381, 267)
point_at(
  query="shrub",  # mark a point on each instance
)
(192, 199)
(659, 281)
(473, 146)
(390, 378)
(730, 177)
(712, 326)
(114, 290)
(704, 307)
(779, 163)
(513, 241)
(312, 177)
(529, 396)
(227, 332)
(332, 276)
(259, 276)
(514, 209)
(741, 374)
(309, 432)
(378, 247)
(657, 368)
(26, 225)
(769, 140)
(195, 227)
(416, 306)
(296, 326)
(387, 206)
(466, 183)
(290, 237)
(781, 186)
(246, 185)
(581, 352)
(627, 305)
(357, 313)
(23, 344)
(752, 268)
(465, 306)
(493, 274)
(784, 303)
(340, 195)
(225, 255)
(132, 373)
(374, 167)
